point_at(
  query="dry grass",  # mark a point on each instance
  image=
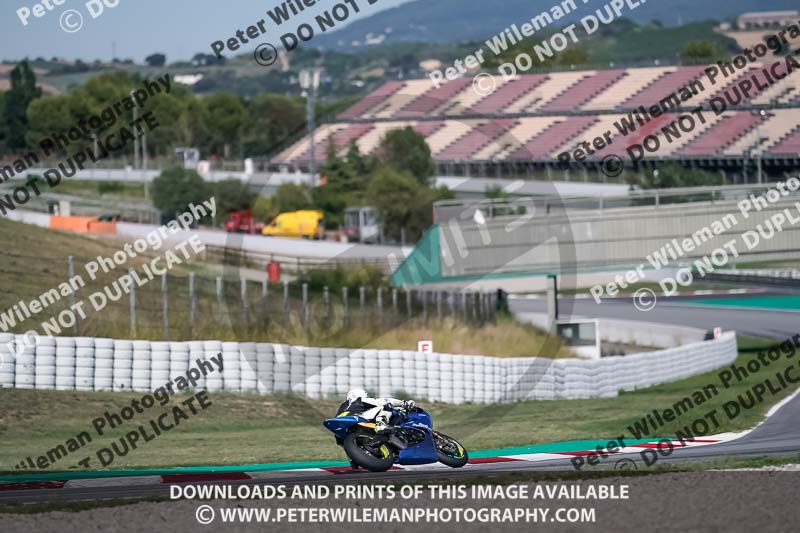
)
(35, 260)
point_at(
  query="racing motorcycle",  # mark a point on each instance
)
(410, 440)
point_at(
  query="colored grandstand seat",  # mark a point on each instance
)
(476, 140)
(542, 130)
(663, 86)
(548, 91)
(507, 94)
(789, 145)
(410, 90)
(723, 133)
(735, 97)
(543, 146)
(777, 125)
(340, 139)
(433, 99)
(586, 89)
(634, 81)
(372, 100)
(526, 129)
(368, 142)
(448, 134)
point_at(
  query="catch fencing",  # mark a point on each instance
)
(94, 364)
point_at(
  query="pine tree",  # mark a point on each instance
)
(23, 91)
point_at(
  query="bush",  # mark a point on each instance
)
(108, 187)
(176, 188)
(336, 278)
(407, 151)
(231, 195)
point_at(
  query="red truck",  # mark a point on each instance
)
(243, 222)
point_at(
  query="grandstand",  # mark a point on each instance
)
(527, 121)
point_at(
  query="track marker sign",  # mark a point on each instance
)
(425, 346)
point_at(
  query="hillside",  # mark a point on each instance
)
(458, 20)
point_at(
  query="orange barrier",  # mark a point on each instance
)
(82, 224)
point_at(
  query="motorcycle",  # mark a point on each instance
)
(410, 440)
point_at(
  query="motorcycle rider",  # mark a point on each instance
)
(359, 403)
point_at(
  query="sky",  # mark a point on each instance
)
(177, 28)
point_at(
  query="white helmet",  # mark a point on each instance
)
(355, 394)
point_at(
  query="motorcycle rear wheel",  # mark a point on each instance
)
(449, 451)
(361, 447)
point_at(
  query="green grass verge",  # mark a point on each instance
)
(251, 429)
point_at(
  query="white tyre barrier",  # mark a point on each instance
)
(24, 381)
(231, 367)
(65, 382)
(281, 368)
(104, 364)
(248, 367)
(213, 380)
(265, 363)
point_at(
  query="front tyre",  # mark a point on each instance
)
(365, 450)
(449, 451)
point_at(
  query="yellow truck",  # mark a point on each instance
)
(306, 224)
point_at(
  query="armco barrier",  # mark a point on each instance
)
(90, 364)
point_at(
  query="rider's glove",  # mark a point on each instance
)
(409, 405)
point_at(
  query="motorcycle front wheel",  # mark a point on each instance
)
(449, 451)
(365, 450)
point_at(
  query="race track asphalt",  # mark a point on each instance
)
(769, 323)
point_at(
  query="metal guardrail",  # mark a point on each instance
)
(446, 210)
(778, 277)
(296, 264)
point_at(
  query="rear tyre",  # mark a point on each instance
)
(366, 451)
(449, 451)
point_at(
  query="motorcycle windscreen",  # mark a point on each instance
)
(340, 425)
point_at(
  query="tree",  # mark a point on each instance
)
(226, 115)
(271, 119)
(156, 60)
(403, 203)
(47, 116)
(699, 51)
(406, 150)
(231, 195)
(176, 188)
(292, 197)
(346, 180)
(264, 209)
(2, 121)
(22, 92)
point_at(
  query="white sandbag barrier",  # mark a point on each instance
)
(90, 364)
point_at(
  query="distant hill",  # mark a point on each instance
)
(462, 20)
